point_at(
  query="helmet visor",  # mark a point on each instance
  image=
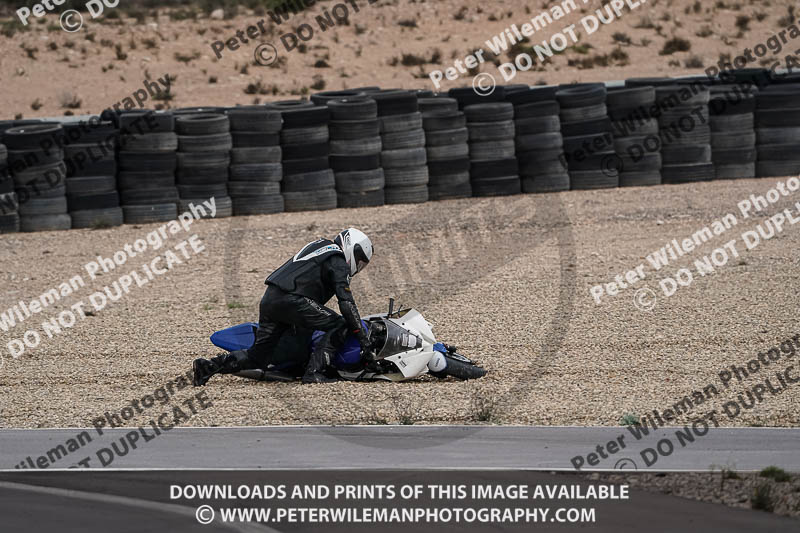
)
(360, 265)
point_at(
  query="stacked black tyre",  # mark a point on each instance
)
(198, 110)
(203, 157)
(146, 167)
(635, 131)
(403, 155)
(733, 136)
(37, 164)
(325, 97)
(778, 131)
(90, 158)
(446, 148)
(588, 142)
(469, 96)
(538, 140)
(685, 131)
(255, 173)
(493, 162)
(9, 215)
(355, 151)
(308, 181)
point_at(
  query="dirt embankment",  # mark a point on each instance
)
(49, 72)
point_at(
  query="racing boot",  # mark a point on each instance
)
(320, 358)
(224, 363)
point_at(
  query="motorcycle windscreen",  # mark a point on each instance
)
(398, 340)
(239, 337)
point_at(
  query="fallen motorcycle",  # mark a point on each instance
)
(402, 343)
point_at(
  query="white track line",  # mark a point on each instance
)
(131, 502)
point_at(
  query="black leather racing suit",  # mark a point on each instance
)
(295, 297)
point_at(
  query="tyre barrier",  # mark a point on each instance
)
(446, 148)
(492, 153)
(355, 135)
(589, 143)
(636, 141)
(308, 182)
(328, 96)
(733, 136)
(9, 215)
(90, 158)
(539, 142)
(255, 173)
(778, 130)
(467, 96)
(204, 146)
(214, 110)
(685, 135)
(37, 165)
(146, 167)
(56, 176)
(402, 151)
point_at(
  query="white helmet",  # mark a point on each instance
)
(357, 249)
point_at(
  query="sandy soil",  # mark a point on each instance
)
(507, 280)
(45, 70)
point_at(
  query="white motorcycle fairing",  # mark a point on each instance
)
(408, 344)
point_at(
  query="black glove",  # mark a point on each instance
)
(353, 320)
(363, 338)
(367, 355)
(367, 351)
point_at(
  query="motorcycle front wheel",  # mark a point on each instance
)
(460, 368)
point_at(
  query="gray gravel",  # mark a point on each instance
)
(505, 279)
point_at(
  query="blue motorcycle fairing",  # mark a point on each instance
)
(242, 337)
(350, 352)
(234, 338)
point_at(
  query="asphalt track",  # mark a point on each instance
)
(38, 508)
(132, 501)
(413, 447)
(130, 495)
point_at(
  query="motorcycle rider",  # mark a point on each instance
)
(295, 297)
